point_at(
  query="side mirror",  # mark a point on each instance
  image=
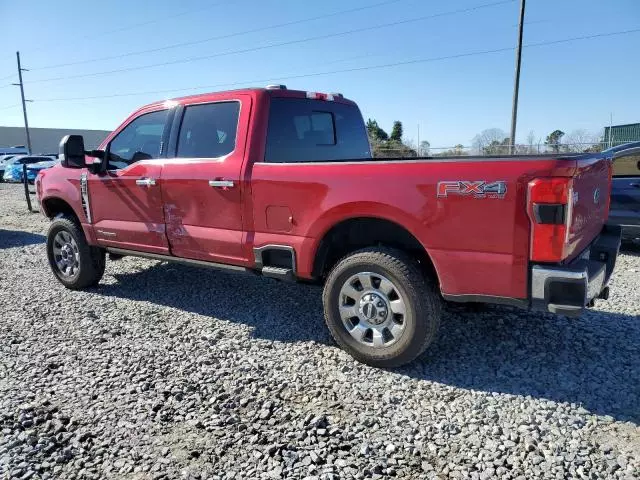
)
(72, 151)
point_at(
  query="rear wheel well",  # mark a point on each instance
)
(357, 233)
(54, 207)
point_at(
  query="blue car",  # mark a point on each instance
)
(34, 168)
(13, 168)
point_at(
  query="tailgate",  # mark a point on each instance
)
(589, 205)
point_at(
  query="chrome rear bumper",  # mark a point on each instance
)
(570, 288)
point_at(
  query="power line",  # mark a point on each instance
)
(349, 70)
(136, 25)
(274, 45)
(219, 37)
(10, 106)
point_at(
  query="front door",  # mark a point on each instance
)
(202, 185)
(126, 201)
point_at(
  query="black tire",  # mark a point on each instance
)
(91, 260)
(423, 306)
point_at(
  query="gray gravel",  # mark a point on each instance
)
(165, 371)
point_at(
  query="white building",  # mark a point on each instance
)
(47, 140)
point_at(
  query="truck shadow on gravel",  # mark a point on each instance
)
(17, 238)
(593, 361)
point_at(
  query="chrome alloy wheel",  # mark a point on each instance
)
(372, 309)
(66, 254)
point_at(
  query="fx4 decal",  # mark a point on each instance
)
(478, 188)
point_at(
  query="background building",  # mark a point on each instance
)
(619, 134)
(46, 140)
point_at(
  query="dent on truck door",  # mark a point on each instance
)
(126, 202)
(202, 186)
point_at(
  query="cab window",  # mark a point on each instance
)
(208, 130)
(140, 140)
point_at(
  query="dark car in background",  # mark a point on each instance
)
(625, 190)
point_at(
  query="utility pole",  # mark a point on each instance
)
(516, 87)
(24, 104)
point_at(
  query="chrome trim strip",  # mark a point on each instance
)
(170, 258)
(84, 192)
(466, 298)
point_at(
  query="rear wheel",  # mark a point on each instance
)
(380, 308)
(74, 262)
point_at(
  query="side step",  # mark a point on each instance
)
(278, 273)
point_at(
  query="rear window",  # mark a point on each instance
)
(302, 130)
(627, 166)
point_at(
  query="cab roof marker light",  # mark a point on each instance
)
(320, 96)
(276, 87)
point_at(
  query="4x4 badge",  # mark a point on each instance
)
(477, 188)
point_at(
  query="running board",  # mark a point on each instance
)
(170, 258)
(279, 273)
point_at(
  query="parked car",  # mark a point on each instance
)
(282, 183)
(13, 168)
(34, 168)
(4, 159)
(625, 191)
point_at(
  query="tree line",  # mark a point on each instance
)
(491, 141)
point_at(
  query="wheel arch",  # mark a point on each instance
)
(366, 230)
(54, 206)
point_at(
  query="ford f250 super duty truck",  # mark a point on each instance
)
(282, 183)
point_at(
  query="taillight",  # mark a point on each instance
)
(550, 201)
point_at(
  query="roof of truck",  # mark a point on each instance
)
(271, 90)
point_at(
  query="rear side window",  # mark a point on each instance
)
(627, 166)
(208, 130)
(302, 130)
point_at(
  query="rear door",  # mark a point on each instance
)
(126, 201)
(625, 192)
(203, 185)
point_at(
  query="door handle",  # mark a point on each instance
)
(145, 182)
(221, 183)
(636, 185)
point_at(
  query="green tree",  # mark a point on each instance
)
(375, 132)
(553, 140)
(396, 131)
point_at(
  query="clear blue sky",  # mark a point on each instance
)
(567, 86)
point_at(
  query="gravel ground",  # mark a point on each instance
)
(166, 371)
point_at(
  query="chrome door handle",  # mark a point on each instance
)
(221, 183)
(145, 182)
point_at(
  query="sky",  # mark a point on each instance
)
(393, 72)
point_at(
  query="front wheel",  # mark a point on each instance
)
(74, 262)
(380, 308)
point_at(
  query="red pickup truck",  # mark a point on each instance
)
(282, 183)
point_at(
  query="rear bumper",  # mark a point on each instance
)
(568, 289)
